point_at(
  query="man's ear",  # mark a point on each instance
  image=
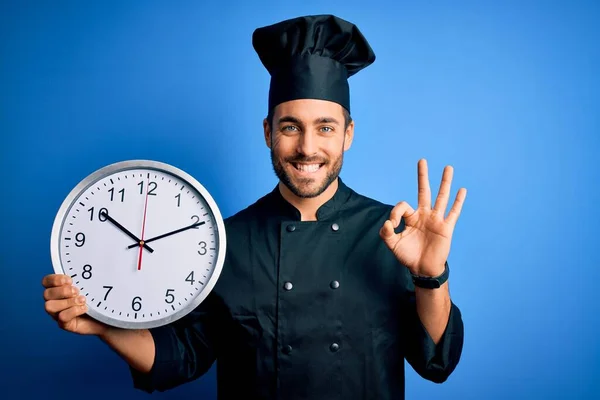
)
(349, 135)
(267, 131)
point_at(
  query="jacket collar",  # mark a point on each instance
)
(285, 209)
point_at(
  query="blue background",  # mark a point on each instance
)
(507, 92)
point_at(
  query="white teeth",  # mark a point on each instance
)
(308, 167)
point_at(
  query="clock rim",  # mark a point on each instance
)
(152, 165)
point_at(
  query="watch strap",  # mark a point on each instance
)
(431, 282)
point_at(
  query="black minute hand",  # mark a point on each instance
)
(168, 234)
(131, 235)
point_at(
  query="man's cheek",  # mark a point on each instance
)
(276, 141)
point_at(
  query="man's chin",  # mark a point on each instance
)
(306, 188)
(306, 194)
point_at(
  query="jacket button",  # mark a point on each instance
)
(334, 347)
(291, 228)
(287, 349)
(335, 227)
(288, 286)
(334, 284)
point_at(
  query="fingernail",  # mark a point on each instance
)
(74, 291)
(84, 307)
(81, 299)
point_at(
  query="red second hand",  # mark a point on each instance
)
(143, 229)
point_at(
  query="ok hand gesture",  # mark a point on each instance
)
(424, 245)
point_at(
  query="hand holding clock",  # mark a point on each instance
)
(65, 304)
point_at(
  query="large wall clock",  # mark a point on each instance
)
(143, 241)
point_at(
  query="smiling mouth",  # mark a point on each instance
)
(307, 168)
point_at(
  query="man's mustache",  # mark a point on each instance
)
(307, 160)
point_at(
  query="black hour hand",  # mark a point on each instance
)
(121, 227)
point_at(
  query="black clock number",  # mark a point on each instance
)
(151, 188)
(190, 278)
(196, 220)
(101, 216)
(112, 194)
(87, 271)
(202, 250)
(136, 303)
(178, 197)
(169, 296)
(80, 239)
(108, 291)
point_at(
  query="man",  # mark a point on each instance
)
(319, 297)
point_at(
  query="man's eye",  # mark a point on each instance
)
(289, 128)
(327, 129)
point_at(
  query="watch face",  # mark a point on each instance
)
(142, 240)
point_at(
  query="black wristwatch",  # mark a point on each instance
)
(431, 282)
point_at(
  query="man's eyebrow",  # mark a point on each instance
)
(326, 120)
(294, 120)
(289, 118)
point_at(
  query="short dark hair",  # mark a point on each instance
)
(347, 117)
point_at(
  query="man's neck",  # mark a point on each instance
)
(308, 207)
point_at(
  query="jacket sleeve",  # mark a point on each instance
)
(433, 362)
(184, 350)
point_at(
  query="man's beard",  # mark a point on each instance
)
(332, 173)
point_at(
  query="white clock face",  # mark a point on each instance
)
(98, 235)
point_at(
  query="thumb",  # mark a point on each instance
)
(387, 230)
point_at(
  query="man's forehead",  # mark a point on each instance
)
(309, 109)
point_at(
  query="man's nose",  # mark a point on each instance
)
(307, 144)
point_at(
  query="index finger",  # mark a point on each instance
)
(53, 280)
